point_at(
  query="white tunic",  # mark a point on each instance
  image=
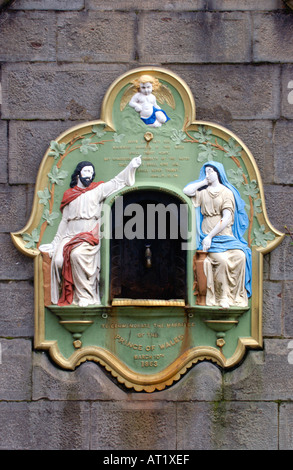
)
(83, 215)
(225, 271)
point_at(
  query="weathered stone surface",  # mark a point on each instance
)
(264, 375)
(279, 200)
(13, 201)
(44, 425)
(221, 93)
(14, 265)
(56, 92)
(272, 308)
(163, 5)
(258, 137)
(28, 36)
(226, 92)
(281, 264)
(28, 142)
(17, 310)
(15, 370)
(273, 37)
(3, 152)
(86, 382)
(94, 37)
(203, 36)
(266, 266)
(286, 426)
(48, 5)
(247, 5)
(287, 91)
(182, 5)
(227, 426)
(90, 382)
(203, 382)
(195, 426)
(133, 425)
(283, 152)
(287, 298)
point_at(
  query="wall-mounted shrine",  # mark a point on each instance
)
(148, 231)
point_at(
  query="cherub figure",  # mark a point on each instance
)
(144, 93)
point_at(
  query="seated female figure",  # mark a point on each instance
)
(222, 222)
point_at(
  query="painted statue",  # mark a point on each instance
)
(75, 250)
(221, 224)
(143, 96)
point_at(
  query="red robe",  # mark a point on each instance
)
(70, 194)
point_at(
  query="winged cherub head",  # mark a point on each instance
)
(143, 95)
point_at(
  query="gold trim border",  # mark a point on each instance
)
(148, 303)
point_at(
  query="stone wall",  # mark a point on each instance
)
(58, 57)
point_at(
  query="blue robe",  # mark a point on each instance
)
(221, 243)
(152, 118)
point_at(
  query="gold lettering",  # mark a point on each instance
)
(149, 364)
(115, 147)
(128, 344)
(124, 159)
(158, 356)
(144, 357)
(172, 342)
(152, 335)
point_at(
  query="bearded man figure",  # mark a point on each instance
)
(75, 250)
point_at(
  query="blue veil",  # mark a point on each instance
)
(221, 243)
